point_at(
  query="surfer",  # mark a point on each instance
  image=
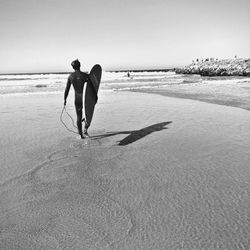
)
(129, 75)
(77, 79)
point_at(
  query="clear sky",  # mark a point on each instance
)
(46, 35)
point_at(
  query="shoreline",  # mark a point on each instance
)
(195, 97)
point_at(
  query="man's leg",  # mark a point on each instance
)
(79, 119)
(86, 128)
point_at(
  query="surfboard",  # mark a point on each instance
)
(91, 93)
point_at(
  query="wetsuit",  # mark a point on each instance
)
(77, 79)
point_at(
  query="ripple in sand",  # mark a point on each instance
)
(85, 143)
(78, 215)
(57, 170)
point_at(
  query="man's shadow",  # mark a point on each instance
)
(135, 135)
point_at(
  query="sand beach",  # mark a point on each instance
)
(157, 173)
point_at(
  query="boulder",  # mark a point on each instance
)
(234, 67)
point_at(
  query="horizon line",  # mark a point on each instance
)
(112, 70)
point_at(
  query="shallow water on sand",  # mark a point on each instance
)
(156, 173)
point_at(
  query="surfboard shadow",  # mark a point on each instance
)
(135, 135)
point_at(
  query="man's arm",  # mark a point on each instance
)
(67, 90)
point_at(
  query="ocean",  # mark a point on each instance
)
(56, 82)
(232, 91)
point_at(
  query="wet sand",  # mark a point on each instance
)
(157, 173)
(233, 92)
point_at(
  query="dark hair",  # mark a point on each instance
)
(76, 64)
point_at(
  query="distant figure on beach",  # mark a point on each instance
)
(77, 79)
(129, 75)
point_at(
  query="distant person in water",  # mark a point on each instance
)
(129, 75)
(77, 79)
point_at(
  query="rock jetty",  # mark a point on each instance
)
(211, 67)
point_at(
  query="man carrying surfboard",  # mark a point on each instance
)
(77, 79)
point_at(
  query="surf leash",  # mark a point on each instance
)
(64, 109)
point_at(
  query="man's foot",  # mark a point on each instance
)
(85, 133)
